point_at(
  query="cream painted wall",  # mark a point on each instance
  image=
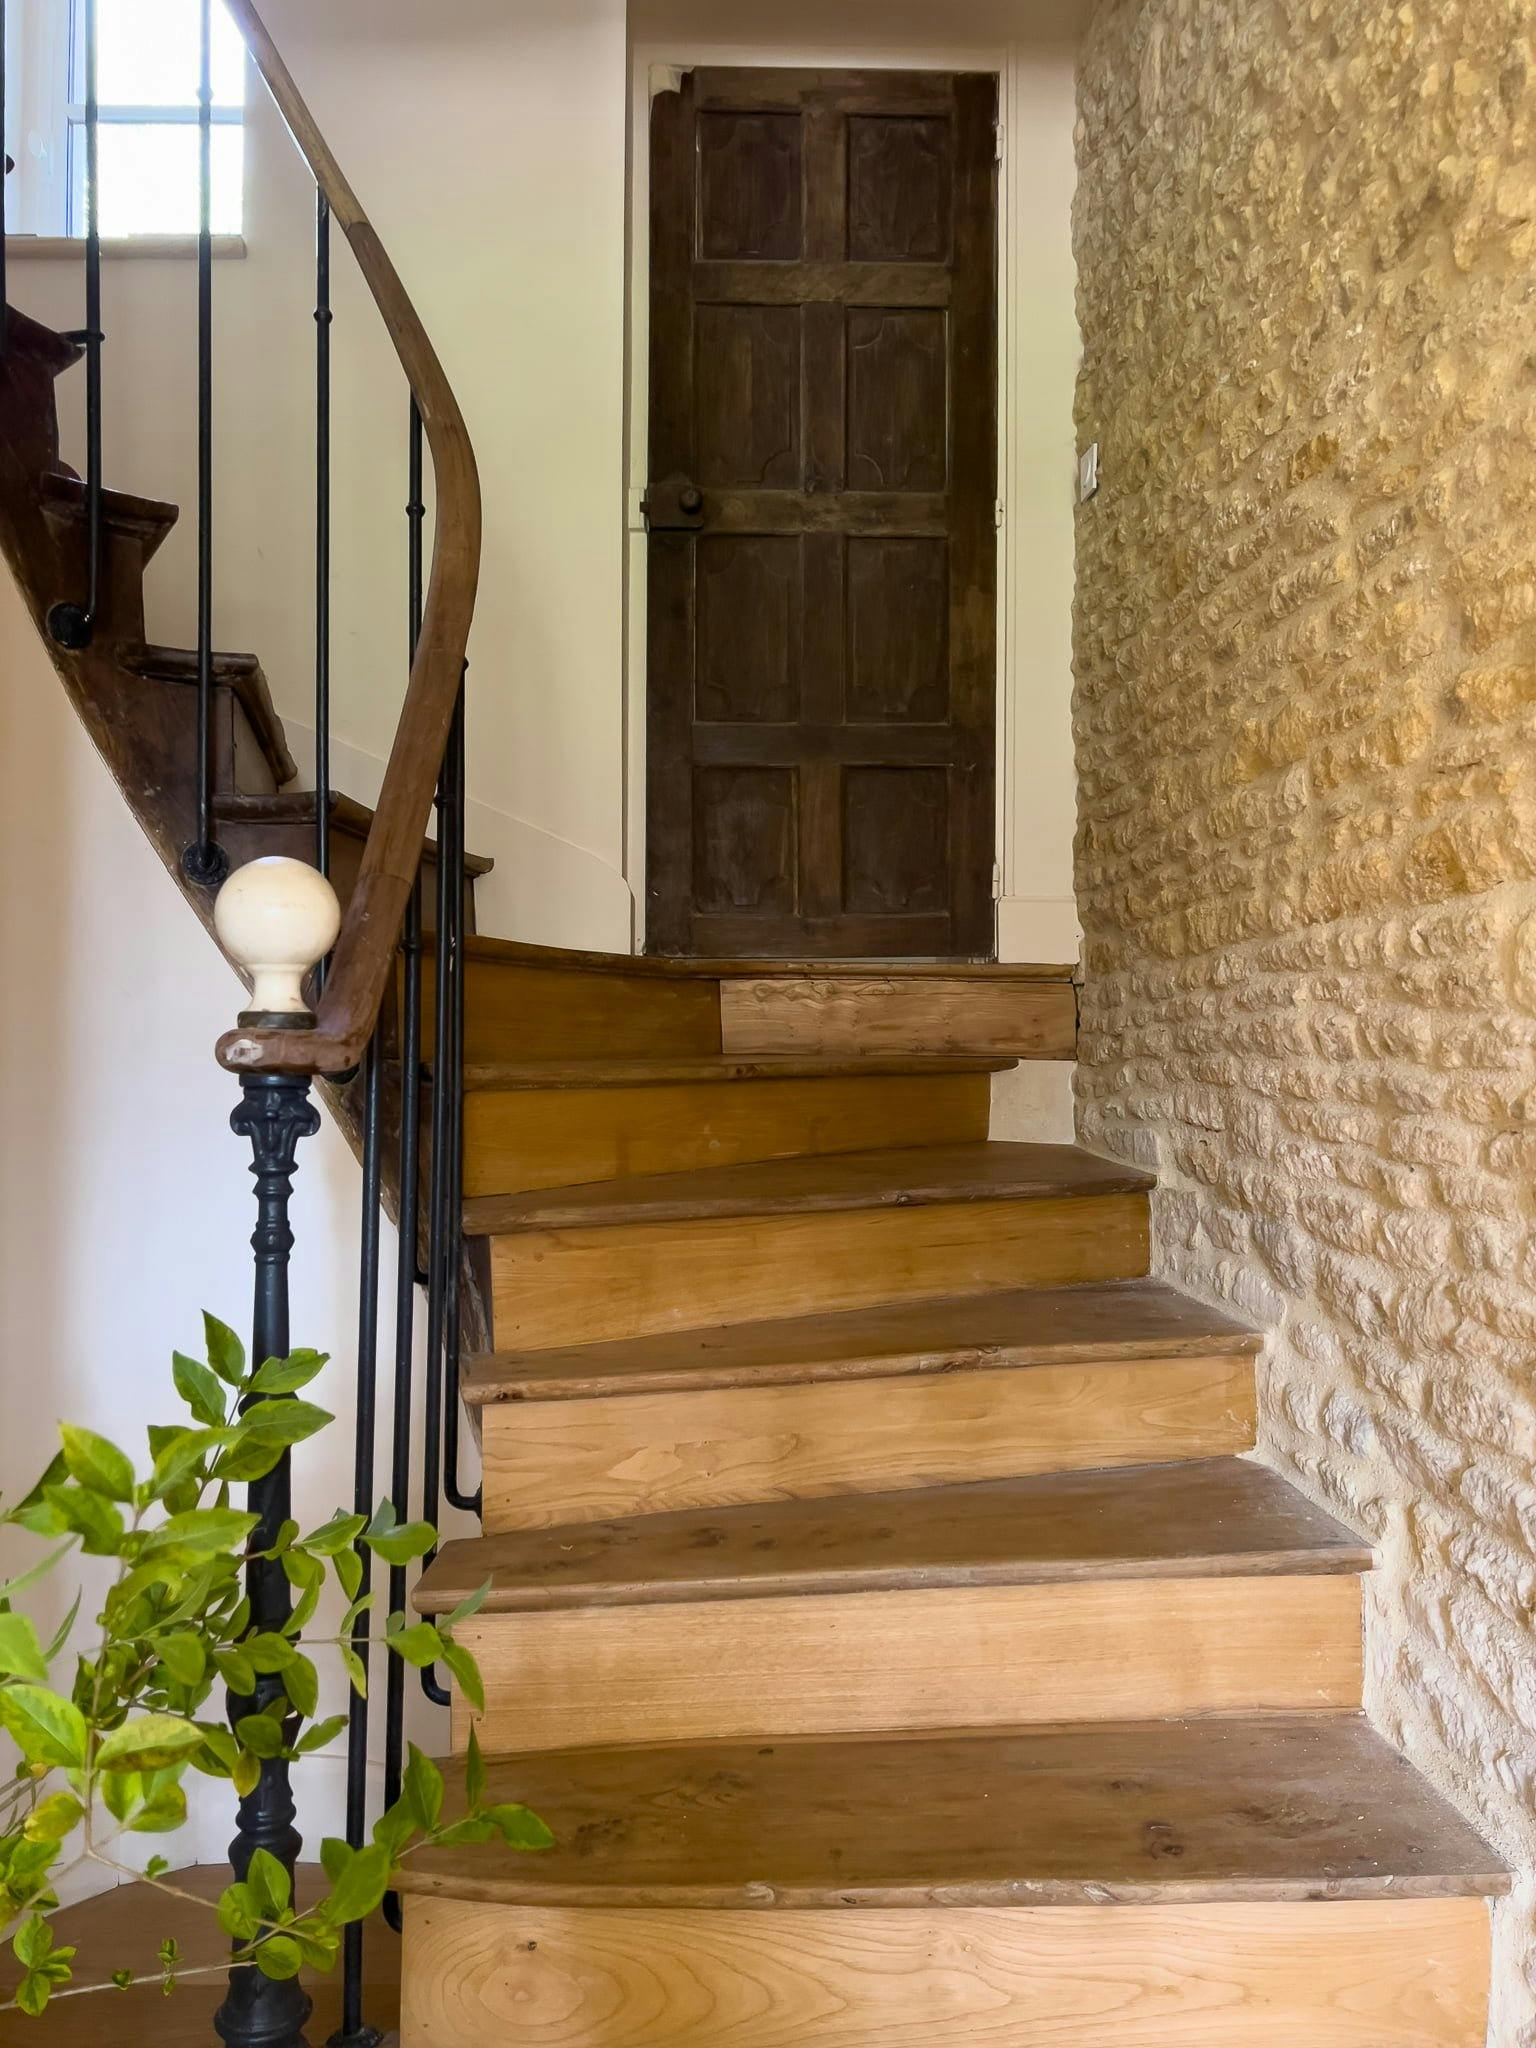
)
(125, 1204)
(1032, 45)
(487, 142)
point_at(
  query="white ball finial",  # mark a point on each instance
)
(277, 918)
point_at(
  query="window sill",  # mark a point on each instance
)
(115, 247)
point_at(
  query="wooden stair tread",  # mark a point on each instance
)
(150, 519)
(522, 953)
(297, 807)
(1203, 1519)
(1117, 1319)
(910, 1177)
(707, 1067)
(1278, 1807)
(240, 673)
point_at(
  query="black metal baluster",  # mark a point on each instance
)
(5, 175)
(406, 1280)
(451, 1074)
(322, 534)
(439, 1198)
(205, 860)
(354, 2031)
(69, 623)
(275, 1112)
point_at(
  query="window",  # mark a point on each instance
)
(148, 59)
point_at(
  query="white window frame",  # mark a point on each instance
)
(45, 121)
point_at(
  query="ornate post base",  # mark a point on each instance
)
(275, 1112)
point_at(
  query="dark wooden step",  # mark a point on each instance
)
(1121, 1319)
(297, 808)
(658, 1073)
(147, 520)
(1280, 1807)
(242, 676)
(1217, 1517)
(915, 1177)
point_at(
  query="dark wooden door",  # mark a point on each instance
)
(822, 514)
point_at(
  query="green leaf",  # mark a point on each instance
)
(519, 1828)
(394, 1828)
(287, 1375)
(51, 1477)
(90, 1515)
(29, 1578)
(122, 1980)
(261, 1734)
(237, 1671)
(359, 1889)
(474, 1771)
(355, 1668)
(182, 1458)
(279, 1956)
(149, 1744)
(470, 1604)
(422, 1788)
(184, 1657)
(62, 1633)
(466, 1671)
(271, 1886)
(322, 1733)
(161, 1815)
(264, 1433)
(421, 1645)
(335, 1855)
(95, 1463)
(120, 1793)
(46, 1729)
(268, 1652)
(226, 1354)
(202, 1531)
(53, 1818)
(21, 1655)
(400, 1545)
(246, 1775)
(301, 1682)
(339, 1533)
(348, 1567)
(33, 1940)
(239, 1914)
(201, 1391)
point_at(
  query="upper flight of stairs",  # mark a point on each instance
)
(882, 1610)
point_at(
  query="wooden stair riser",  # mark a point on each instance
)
(1412, 1973)
(553, 1462)
(518, 1139)
(517, 1012)
(938, 1657)
(983, 1014)
(575, 1286)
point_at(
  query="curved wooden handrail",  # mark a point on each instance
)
(362, 962)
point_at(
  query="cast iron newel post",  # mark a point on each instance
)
(278, 919)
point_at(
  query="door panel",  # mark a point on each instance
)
(822, 541)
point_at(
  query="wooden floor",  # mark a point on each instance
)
(122, 1930)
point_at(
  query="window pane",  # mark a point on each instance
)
(149, 179)
(148, 53)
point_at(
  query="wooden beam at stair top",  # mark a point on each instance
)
(906, 1178)
(1410, 1972)
(1131, 1812)
(1215, 1517)
(1122, 1319)
(1023, 1019)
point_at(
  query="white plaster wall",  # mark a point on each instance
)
(1032, 45)
(487, 143)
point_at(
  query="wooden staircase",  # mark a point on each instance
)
(882, 1611)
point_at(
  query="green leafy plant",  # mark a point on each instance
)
(106, 1754)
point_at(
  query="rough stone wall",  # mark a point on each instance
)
(1306, 730)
